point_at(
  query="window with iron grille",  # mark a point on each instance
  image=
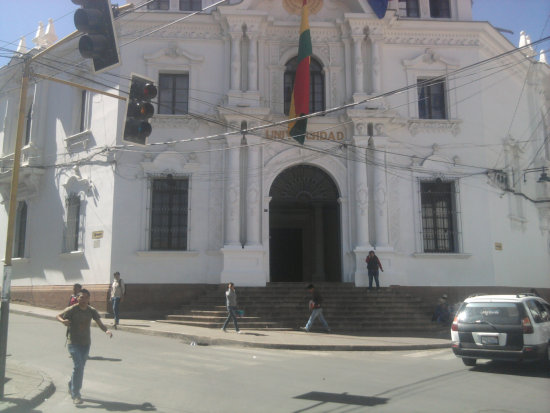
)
(438, 216)
(316, 85)
(440, 9)
(20, 230)
(159, 5)
(411, 7)
(72, 226)
(190, 5)
(431, 99)
(173, 94)
(169, 213)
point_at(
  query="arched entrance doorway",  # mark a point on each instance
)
(304, 227)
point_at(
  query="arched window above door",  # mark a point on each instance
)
(316, 84)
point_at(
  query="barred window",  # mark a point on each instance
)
(72, 225)
(316, 85)
(169, 213)
(440, 9)
(159, 5)
(173, 94)
(20, 230)
(190, 5)
(438, 216)
(431, 99)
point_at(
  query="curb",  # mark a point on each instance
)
(35, 394)
(199, 340)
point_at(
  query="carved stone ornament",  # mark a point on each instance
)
(295, 6)
(303, 183)
(434, 126)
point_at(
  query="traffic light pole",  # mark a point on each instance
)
(6, 280)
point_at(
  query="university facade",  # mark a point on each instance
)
(429, 137)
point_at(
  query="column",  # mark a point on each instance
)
(361, 193)
(253, 207)
(319, 274)
(380, 195)
(252, 62)
(232, 192)
(359, 69)
(376, 70)
(236, 36)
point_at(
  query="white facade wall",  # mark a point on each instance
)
(493, 122)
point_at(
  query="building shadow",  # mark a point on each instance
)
(340, 398)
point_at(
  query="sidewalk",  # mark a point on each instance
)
(29, 387)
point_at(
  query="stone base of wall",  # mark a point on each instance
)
(152, 301)
(141, 300)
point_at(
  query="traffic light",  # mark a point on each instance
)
(98, 42)
(139, 109)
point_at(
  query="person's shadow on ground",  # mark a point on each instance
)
(112, 406)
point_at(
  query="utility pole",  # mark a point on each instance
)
(6, 280)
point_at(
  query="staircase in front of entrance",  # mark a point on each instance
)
(285, 306)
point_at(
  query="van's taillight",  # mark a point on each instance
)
(527, 326)
(454, 327)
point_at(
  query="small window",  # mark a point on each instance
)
(159, 5)
(20, 230)
(72, 225)
(431, 99)
(191, 5)
(538, 311)
(438, 217)
(411, 7)
(173, 94)
(316, 85)
(440, 9)
(169, 213)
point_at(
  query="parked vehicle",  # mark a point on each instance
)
(502, 327)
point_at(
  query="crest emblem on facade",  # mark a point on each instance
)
(295, 6)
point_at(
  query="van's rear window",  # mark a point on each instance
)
(494, 313)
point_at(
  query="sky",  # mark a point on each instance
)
(21, 17)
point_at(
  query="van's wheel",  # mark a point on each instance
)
(469, 362)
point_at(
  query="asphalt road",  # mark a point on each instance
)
(134, 373)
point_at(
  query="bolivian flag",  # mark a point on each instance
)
(299, 103)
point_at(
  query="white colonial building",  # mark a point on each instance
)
(430, 147)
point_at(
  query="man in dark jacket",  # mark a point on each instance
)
(373, 263)
(316, 310)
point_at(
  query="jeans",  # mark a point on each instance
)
(79, 353)
(317, 313)
(116, 308)
(373, 274)
(231, 314)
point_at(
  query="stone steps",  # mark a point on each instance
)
(284, 306)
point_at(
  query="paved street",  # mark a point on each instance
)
(135, 372)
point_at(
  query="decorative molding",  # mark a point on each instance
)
(417, 126)
(175, 122)
(168, 254)
(419, 38)
(295, 6)
(204, 31)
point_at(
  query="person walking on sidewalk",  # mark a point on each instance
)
(74, 298)
(316, 310)
(231, 303)
(373, 263)
(118, 290)
(78, 319)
